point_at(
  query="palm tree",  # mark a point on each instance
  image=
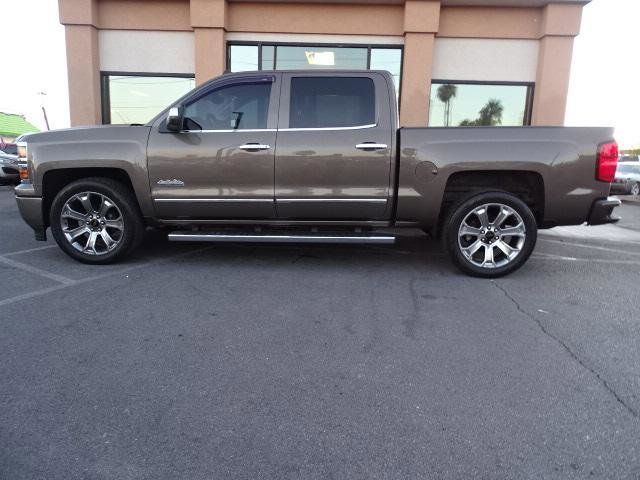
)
(445, 94)
(491, 113)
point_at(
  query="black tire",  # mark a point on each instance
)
(132, 232)
(464, 209)
(634, 189)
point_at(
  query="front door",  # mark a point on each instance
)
(221, 165)
(335, 139)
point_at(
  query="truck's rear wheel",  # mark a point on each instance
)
(96, 220)
(490, 234)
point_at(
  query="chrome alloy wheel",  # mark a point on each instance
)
(92, 223)
(491, 235)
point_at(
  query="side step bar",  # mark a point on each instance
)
(280, 238)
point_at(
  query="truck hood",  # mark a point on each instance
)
(84, 133)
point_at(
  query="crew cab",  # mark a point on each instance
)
(312, 156)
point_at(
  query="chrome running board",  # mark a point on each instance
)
(254, 237)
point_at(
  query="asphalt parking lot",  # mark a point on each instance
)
(320, 362)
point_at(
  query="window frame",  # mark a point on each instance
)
(528, 108)
(367, 46)
(105, 96)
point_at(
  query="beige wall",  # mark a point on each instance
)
(420, 24)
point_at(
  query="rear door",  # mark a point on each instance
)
(220, 166)
(333, 159)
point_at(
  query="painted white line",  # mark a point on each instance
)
(29, 250)
(44, 291)
(546, 256)
(37, 271)
(593, 247)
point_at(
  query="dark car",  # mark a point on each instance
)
(627, 179)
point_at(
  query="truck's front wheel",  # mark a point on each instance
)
(96, 220)
(490, 234)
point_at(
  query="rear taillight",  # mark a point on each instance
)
(607, 162)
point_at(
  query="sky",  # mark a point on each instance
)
(605, 61)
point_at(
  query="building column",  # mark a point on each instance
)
(209, 19)
(421, 22)
(210, 55)
(83, 62)
(560, 25)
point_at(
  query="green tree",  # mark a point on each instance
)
(490, 115)
(445, 94)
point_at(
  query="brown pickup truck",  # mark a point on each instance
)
(312, 156)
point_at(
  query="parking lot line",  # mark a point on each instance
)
(593, 247)
(549, 256)
(37, 271)
(44, 291)
(29, 250)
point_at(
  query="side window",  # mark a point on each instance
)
(326, 102)
(242, 107)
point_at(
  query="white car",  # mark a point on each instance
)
(627, 180)
(9, 164)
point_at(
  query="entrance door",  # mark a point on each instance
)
(221, 165)
(333, 159)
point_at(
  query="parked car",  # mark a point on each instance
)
(627, 179)
(9, 163)
(312, 156)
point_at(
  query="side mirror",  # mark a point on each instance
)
(174, 119)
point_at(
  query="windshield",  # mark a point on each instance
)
(11, 149)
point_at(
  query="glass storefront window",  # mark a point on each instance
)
(302, 57)
(137, 99)
(458, 104)
(389, 59)
(244, 58)
(311, 58)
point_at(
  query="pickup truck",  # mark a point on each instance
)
(312, 156)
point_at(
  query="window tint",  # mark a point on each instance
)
(325, 102)
(244, 106)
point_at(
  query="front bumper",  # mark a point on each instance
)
(31, 210)
(602, 211)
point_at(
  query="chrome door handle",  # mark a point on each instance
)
(371, 146)
(254, 146)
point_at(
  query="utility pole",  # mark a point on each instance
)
(44, 110)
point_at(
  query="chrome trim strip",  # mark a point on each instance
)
(337, 200)
(213, 200)
(327, 129)
(249, 130)
(271, 238)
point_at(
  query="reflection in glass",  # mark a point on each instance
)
(136, 99)
(459, 104)
(389, 59)
(244, 58)
(268, 52)
(306, 58)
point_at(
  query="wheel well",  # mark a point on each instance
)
(55, 180)
(528, 186)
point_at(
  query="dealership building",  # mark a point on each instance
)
(451, 60)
